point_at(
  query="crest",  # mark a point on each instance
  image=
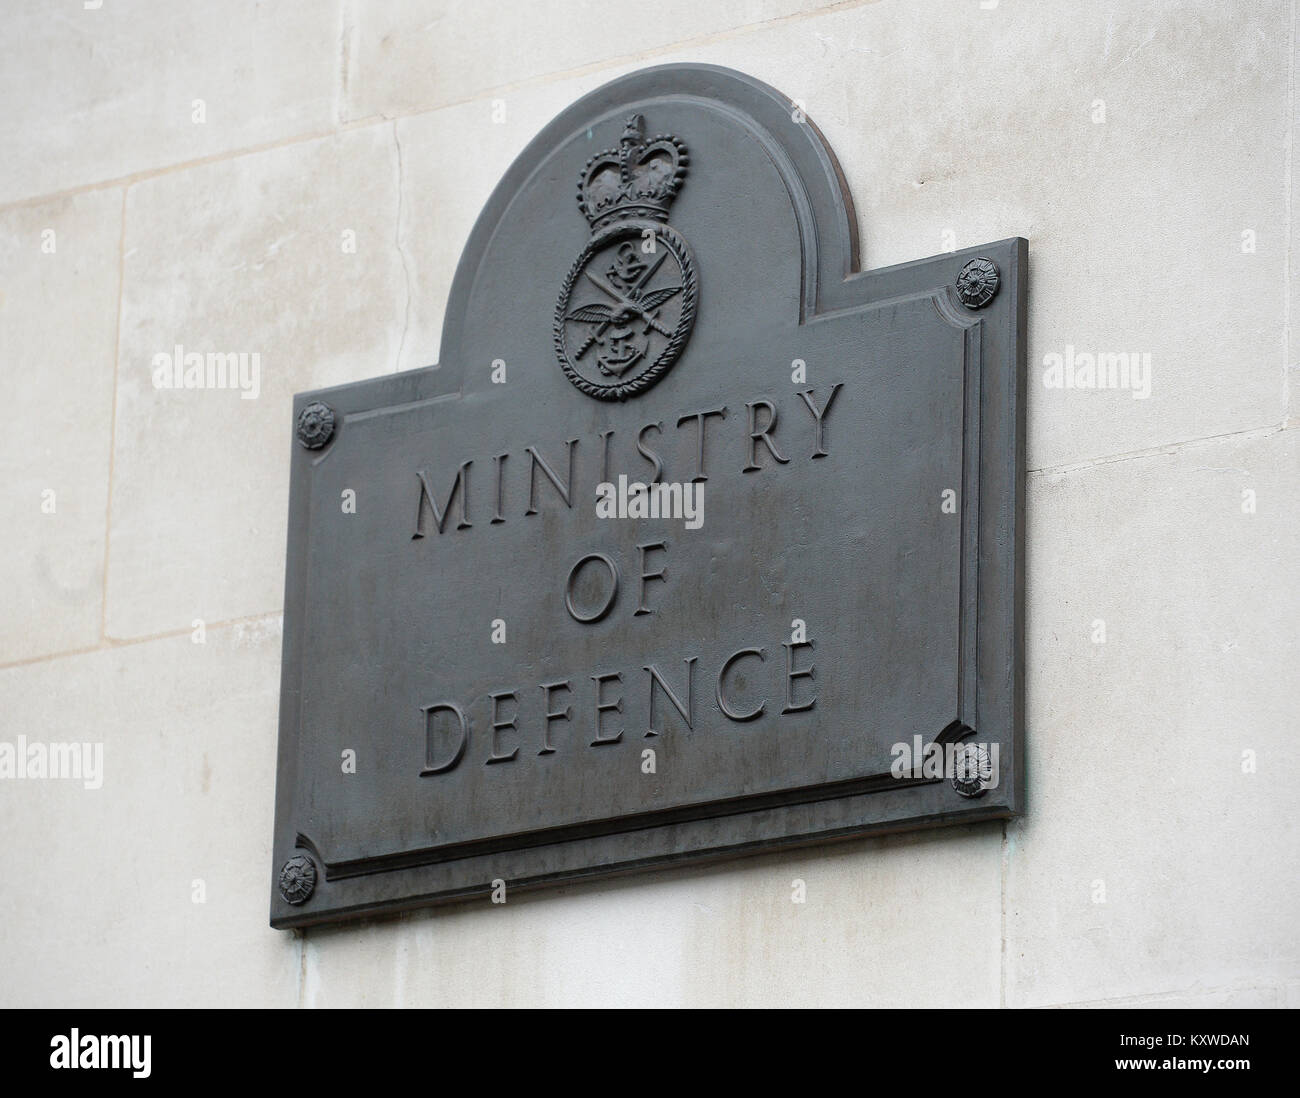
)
(628, 304)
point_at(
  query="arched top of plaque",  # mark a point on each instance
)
(682, 173)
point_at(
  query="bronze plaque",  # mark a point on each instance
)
(696, 542)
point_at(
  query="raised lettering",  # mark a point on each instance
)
(791, 674)
(553, 714)
(539, 462)
(604, 608)
(645, 550)
(687, 711)
(761, 434)
(603, 707)
(727, 711)
(700, 419)
(459, 485)
(820, 417)
(440, 768)
(498, 725)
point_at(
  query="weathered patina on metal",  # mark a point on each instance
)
(490, 682)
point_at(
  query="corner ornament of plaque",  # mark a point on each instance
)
(297, 879)
(628, 304)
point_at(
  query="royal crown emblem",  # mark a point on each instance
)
(628, 304)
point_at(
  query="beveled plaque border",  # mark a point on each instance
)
(990, 672)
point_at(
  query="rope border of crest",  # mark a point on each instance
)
(690, 300)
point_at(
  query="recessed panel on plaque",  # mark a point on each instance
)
(696, 542)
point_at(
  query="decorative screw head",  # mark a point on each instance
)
(977, 283)
(315, 425)
(298, 879)
(972, 770)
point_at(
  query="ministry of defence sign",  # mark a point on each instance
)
(696, 542)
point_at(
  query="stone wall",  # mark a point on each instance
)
(297, 179)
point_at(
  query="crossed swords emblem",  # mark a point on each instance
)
(625, 308)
